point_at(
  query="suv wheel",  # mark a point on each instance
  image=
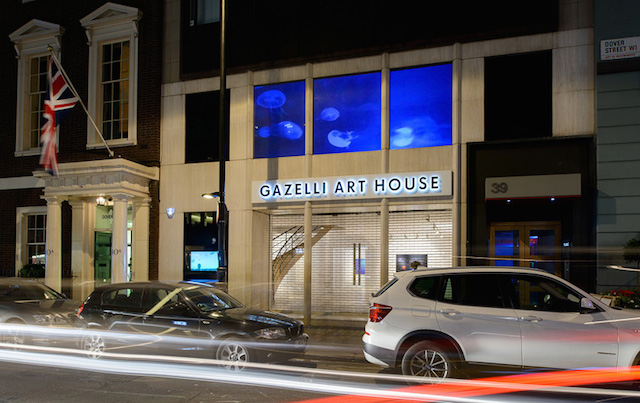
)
(428, 360)
(235, 353)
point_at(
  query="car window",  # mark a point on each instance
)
(22, 292)
(542, 294)
(123, 297)
(473, 289)
(211, 299)
(425, 287)
(164, 302)
(385, 287)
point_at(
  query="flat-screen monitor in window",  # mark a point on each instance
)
(421, 107)
(204, 261)
(346, 113)
(279, 116)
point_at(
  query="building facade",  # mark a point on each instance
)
(96, 221)
(362, 142)
(617, 65)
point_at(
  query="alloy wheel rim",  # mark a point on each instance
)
(429, 364)
(236, 356)
(94, 346)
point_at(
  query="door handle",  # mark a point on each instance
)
(533, 319)
(449, 312)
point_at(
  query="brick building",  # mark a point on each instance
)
(97, 221)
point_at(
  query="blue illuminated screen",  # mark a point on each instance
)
(204, 261)
(346, 113)
(279, 120)
(420, 107)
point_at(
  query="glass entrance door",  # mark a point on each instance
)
(102, 258)
(526, 244)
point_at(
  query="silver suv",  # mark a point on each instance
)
(432, 321)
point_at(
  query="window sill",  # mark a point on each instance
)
(112, 143)
(27, 153)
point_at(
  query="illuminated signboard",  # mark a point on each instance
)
(416, 184)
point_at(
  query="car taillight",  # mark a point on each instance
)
(378, 312)
(80, 309)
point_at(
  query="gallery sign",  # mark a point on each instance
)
(415, 184)
(621, 48)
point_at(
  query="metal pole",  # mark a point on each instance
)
(224, 222)
(223, 89)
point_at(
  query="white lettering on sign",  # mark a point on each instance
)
(621, 48)
(366, 186)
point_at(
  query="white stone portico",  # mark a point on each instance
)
(80, 183)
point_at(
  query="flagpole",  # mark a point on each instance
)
(75, 93)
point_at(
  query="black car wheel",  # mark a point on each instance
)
(235, 353)
(93, 345)
(14, 337)
(427, 360)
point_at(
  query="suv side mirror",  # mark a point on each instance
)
(586, 303)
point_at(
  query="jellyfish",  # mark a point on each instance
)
(264, 132)
(289, 130)
(271, 99)
(402, 137)
(340, 139)
(329, 114)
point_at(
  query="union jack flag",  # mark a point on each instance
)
(58, 102)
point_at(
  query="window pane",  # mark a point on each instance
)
(506, 243)
(202, 126)
(541, 294)
(117, 51)
(106, 130)
(107, 92)
(425, 287)
(279, 120)
(115, 71)
(421, 107)
(474, 290)
(347, 113)
(106, 53)
(523, 110)
(542, 242)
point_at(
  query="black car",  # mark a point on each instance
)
(28, 302)
(189, 319)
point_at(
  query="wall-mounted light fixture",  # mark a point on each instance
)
(101, 201)
(211, 195)
(170, 212)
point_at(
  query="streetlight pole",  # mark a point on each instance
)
(223, 216)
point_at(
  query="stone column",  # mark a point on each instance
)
(308, 240)
(119, 259)
(140, 241)
(384, 241)
(53, 262)
(82, 244)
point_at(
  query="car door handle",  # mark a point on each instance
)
(533, 319)
(449, 312)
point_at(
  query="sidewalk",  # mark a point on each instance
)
(340, 341)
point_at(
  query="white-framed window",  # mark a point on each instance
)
(112, 31)
(31, 42)
(31, 235)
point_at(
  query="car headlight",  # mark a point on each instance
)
(271, 333)
(44, 319)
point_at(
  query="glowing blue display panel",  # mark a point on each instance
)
(279, 120)
(204, 261)
(346, 113)
(420, 107)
